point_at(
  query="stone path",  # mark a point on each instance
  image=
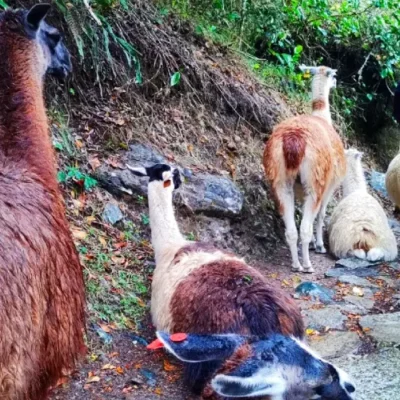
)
(357, 324)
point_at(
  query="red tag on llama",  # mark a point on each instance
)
(178, 337)
(155, 345)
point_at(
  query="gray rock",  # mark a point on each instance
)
(377, 181)
(213, 195)
(336, 344)
(353, 263)
(144, 156)
(315, 291)
(360, 272)
(375, 376)
(112, 214)
(356, 281)
(202, 193)
(385, 328)
(330, 317)
(394, 225)
(363, 304)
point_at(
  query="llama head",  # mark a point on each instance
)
(274, 367)
(29, 28)
(354, 179)
(161, 176)
(325, 75)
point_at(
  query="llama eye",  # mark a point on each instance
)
(350, 388)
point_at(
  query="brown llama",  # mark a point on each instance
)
(304, 155)
(41, 283)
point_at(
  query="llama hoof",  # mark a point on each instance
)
(308, 270)
(320, 249)
(297, 268)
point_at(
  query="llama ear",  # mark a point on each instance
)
(311, 70)
(200, 348)
(37, 14)
(139, 171)
(259, 384)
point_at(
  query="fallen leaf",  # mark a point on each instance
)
(90, 219)
(106, 328)
(108, 366)
(158, 391)
(103, 241)
(169, 367)
(79, 234)
(94, 163)
(310, 331)
(358, 291)
(93, 379)
(120, 370)
(78, 144)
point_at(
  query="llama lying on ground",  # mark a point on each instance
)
(392, 181)
(305, 154)
(41, 283)
(200, 289)
(359, 225)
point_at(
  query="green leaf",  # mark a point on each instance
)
(175, 79)
(370, 96)
(72, 91)
(298, 49)
(58, 146)
(89, 182)
(61, 176)
(3, 4)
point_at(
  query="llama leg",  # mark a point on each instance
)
(320, 248)
(285, 196)
(306, 231)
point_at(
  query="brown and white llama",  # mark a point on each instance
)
(41, 284)
(305, 156)
(198, 289)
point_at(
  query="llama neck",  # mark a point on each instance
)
(320, 98)
(354, 180)
(165, 231)
(24, 136)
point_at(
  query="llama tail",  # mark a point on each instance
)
(294, 148)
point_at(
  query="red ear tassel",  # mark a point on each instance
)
(178, 337)
(157, 344)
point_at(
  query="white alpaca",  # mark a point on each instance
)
(305, 154)
(359, 225)
(393, 181)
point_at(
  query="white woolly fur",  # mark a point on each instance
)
(393, 180)
(359, 225)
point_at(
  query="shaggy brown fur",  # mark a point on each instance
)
(41, 283)
(325, 153)
(229, 296)
(318, 105)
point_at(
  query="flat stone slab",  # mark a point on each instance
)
(356, 281)
(328, 317)
(385, 328)
(360, 272)
(335, 344)
(112, 214)
(353, 263)
(364, 304)
(375, 376)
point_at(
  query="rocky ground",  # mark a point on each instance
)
(351, 308)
